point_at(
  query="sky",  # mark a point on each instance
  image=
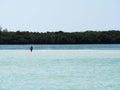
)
(60, 15)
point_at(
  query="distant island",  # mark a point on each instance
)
(60, 37)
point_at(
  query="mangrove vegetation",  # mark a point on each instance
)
(59, 37)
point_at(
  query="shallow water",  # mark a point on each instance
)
(63, 47)
(60, 70)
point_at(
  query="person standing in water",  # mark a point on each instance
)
(31, 48)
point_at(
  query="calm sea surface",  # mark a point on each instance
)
(63, 47)
(60, 67)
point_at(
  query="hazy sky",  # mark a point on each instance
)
(55, 15)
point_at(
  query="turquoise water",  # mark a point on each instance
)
(60, 70)
(63, 47)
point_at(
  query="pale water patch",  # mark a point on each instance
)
(60, 70)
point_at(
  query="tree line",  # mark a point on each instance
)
(60, 37)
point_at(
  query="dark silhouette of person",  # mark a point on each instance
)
(31, 48)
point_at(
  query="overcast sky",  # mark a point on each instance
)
(55, 15)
